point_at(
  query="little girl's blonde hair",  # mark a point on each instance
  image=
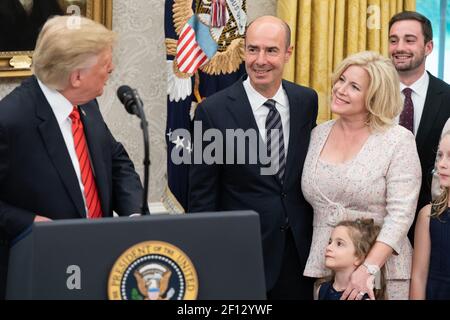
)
(439, 205)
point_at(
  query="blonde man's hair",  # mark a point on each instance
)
(383, 100)
(65, 44)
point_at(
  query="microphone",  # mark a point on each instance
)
(133, 104)
(130, 99)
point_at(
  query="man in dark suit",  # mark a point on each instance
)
(427, 98)
(58, 159)
(261, 104)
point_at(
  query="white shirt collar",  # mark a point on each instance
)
(61, 107)
(257, 100)
(420, 87)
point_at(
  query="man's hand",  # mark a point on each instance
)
(41, 219)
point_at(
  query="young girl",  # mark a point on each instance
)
(430, 278)
(349, 245)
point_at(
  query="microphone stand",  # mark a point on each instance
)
(146, 162)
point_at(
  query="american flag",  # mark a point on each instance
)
(188, 45)
(190, 55)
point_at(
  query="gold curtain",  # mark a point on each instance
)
(324, 32)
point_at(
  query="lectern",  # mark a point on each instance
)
(215, 255)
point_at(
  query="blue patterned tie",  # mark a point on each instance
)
(273, 122)
(407, 115)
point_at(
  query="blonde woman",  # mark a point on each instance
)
(361, 166)
(431, 260)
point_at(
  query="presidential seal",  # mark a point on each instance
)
(153, 270)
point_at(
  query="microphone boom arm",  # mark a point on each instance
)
(146, 162)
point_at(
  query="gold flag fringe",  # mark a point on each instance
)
(227, 61)
(182, 12)
(171, 47)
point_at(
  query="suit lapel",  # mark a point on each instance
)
(242, 113)
(93, 139)
(57, 150)
(241, 109)
(432, 106)
(294, 134)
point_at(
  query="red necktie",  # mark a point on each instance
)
(87, 177)
(407, 115)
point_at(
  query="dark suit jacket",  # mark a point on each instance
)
(36, 172)
(20, 30)
(242, 187)
(435, 114)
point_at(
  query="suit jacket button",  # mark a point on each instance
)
(283, 195)
(285, 226)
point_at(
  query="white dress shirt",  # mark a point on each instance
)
(418, 95)
(62, 108)
(260, 111)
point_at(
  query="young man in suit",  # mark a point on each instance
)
(58, 159)
(426, 98)
(262, 102)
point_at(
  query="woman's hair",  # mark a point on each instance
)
(440, 204)
(383, 100)
(67, 43)
(364, 233)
